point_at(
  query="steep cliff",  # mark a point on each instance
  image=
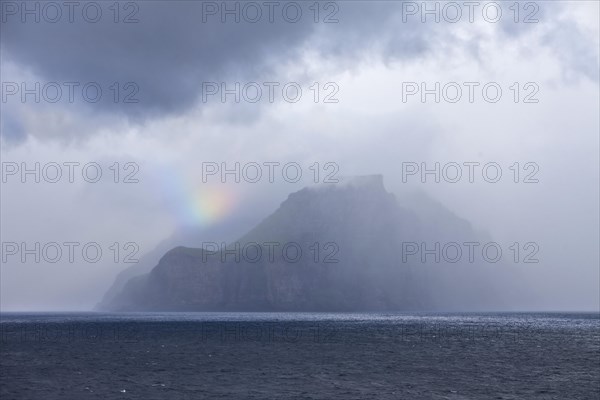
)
(327, 248)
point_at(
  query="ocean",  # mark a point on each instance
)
(300, 356)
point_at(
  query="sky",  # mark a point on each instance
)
(131, 114)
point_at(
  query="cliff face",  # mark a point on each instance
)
(225, 231)
(328, 248)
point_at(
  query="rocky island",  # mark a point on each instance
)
(335, 247)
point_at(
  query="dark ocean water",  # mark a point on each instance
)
(300, 356)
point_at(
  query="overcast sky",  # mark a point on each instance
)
(162, 68)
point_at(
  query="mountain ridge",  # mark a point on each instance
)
(348, 235)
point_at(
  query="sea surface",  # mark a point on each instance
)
(300, 356)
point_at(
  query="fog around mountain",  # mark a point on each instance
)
(356, 244)
(186, 236)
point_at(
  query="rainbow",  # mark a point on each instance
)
(194, 203)
(210, 205)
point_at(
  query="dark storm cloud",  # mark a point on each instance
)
(168, 53)
(162, 60)
(171, 50)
